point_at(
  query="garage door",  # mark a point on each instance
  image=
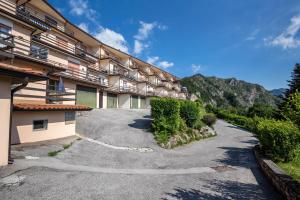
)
(134, 102)
(112, 100)
(86, 96)
(143, 103)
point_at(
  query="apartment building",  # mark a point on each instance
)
(50, 68)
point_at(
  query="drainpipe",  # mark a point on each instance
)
(13, 91)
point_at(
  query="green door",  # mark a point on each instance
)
(86, 96)
(143, 103)
(134, 102)
(112, 100)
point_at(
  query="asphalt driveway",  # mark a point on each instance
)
(222, 167)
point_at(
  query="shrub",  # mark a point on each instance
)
(190, 112)
(291, 108)
(209, 119)
(278, 138)
(166, 116)
(198, 124)
(261, 110)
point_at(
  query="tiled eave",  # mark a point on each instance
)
(49, 107)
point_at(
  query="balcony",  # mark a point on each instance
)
(91, 76)
(64, 46)
(123, 73)
(26, 16)
(6, 45)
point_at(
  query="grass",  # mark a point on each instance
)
(292, 169)
(54, 153)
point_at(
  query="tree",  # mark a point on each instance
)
(261, 110)
(291, 108)
(294, 83)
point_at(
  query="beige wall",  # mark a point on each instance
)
(22, 126)
(104, 99)
(36, 92)
(4, 119)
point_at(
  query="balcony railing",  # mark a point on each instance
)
(88, 76)
(25, 15)
(6, 41)
(54, 43)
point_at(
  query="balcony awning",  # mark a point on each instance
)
(49, 107)
(20, 71)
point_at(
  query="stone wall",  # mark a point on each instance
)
(285, 184)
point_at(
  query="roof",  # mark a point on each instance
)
(49, 107)
(28, 71)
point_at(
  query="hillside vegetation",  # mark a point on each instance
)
(228, 92)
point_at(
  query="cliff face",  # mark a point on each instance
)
(227, 92)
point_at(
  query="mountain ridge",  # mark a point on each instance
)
(225, 92)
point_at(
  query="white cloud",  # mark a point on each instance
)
(84, 27)
(81, 7)
(253, 35)
(287, 38)
(165, 64)
(112, 38)
(143, 34)
(145, 30)
(196, 68)
(152, 60)
(138, 47)
(155, 60)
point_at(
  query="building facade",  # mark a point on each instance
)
(50, 68)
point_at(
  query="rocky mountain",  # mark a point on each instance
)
(278, 92)
(227, 92)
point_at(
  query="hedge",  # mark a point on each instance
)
(190, 112)
(277, 138)
(166, 115)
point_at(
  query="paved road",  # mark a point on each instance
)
(222, 167)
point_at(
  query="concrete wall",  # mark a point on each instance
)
(4, 119)
(124, 101)
(22, 126)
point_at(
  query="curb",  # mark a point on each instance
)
(285, 184)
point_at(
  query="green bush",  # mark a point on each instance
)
(166, 116)
(261, 110)
(199, 124)
(209, 119)
(190, 112)
(291, 108)
(278, 138)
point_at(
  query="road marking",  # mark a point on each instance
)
(141, 150)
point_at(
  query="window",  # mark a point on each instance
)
(69, 118)
(4, 33)
(50, 21)
(39, 125)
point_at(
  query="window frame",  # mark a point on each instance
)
(70, 121)
(45, 125)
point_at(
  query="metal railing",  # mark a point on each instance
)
(53, 42)
(88, 75)
(25, 15)
(6, 41)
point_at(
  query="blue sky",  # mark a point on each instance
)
(256, 41)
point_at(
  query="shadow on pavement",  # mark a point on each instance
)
(216, 189)
(141, 124)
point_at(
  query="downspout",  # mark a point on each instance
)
(13, 91)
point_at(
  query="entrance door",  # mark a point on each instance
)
(112, 100)
(143, 103)
(134, 102)
(86, 96)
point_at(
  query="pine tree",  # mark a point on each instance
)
(294, 83)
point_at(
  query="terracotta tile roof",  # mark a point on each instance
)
(22, 70)
(49, 107)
